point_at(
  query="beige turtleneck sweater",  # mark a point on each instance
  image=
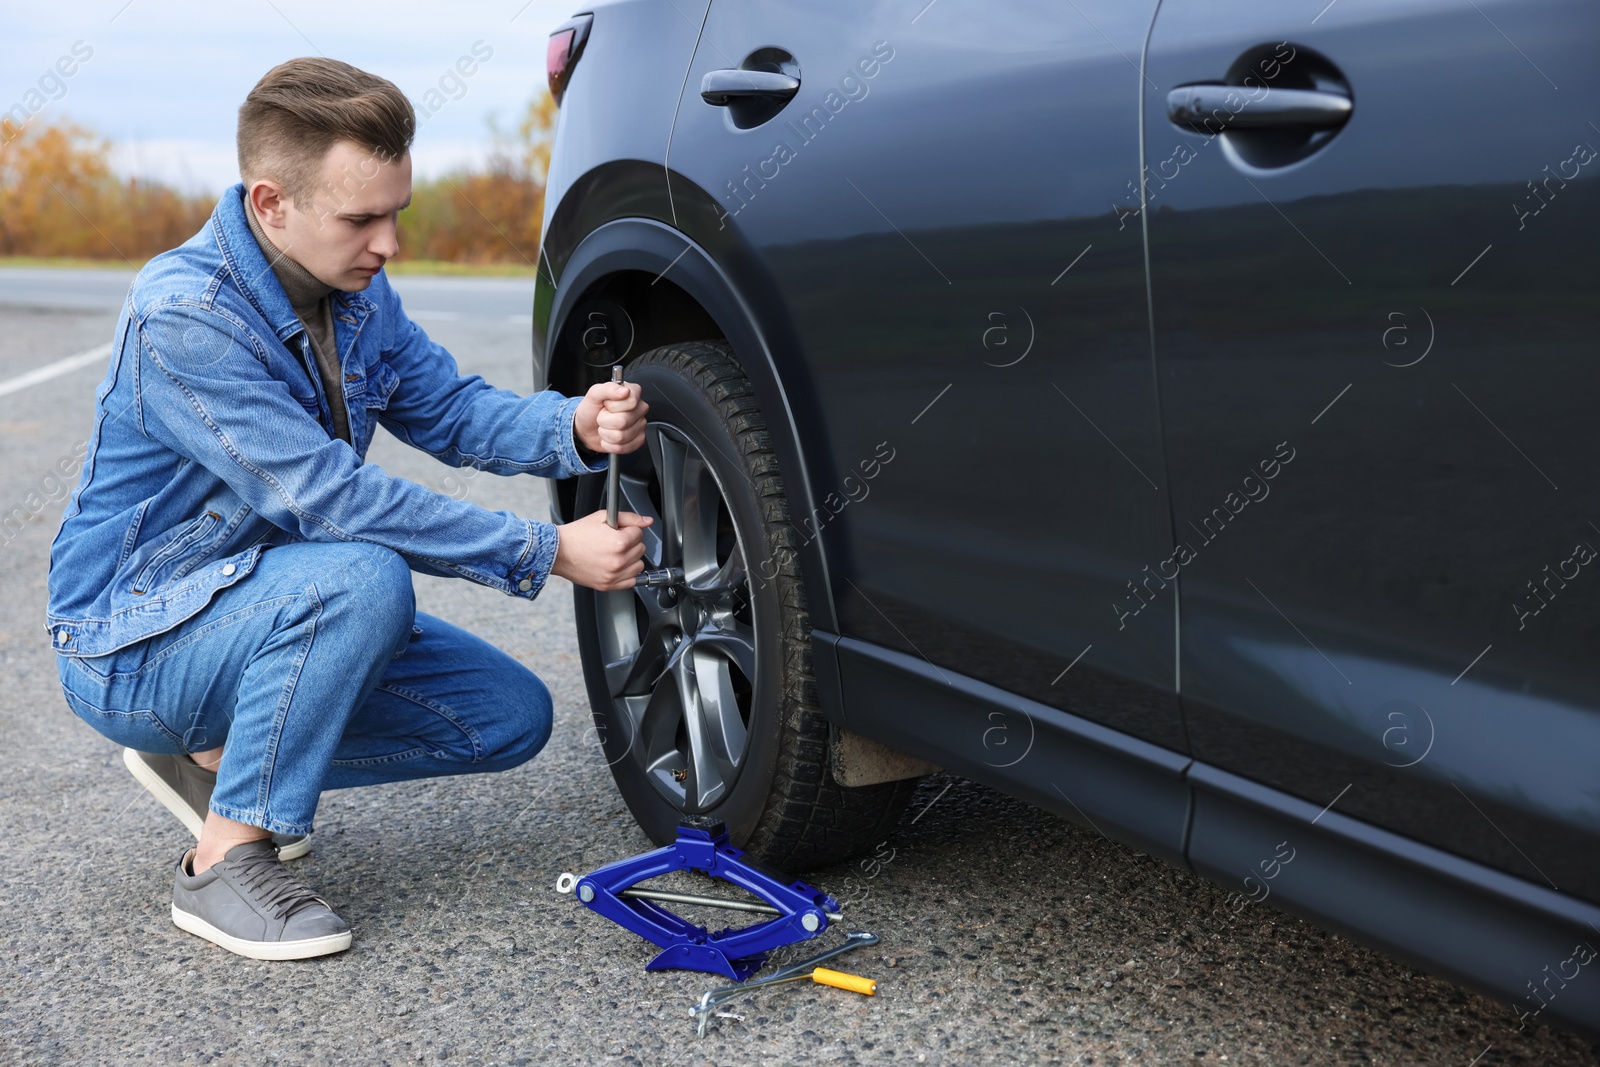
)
(310, 298)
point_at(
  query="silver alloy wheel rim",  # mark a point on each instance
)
(681, 662)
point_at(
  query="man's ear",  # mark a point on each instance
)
(270, 201)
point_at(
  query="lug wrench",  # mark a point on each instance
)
(613, 468)
(660, 575)
(797, 970)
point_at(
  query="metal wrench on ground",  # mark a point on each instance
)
(856, 939)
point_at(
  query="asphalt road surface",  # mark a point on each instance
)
(1008, 935)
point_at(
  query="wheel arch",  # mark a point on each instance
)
(671, 290)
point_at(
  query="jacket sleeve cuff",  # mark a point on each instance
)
(572, 460)
(537, 561)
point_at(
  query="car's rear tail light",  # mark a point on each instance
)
(566, 45)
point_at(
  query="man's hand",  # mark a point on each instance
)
(611, 417)
(592, 554)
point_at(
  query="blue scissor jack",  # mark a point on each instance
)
(702, 845)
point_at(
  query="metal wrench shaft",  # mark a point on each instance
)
(567, 880)
(613, 469)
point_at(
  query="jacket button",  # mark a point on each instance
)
(228, 570)
(62, 637)
(525, 585)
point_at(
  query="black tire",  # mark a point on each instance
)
(753, 750)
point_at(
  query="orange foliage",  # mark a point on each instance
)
(59, 197)
(492, 216)
(474, 218)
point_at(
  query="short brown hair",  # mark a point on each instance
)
(301, 108)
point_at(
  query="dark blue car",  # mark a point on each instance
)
(1182, 420)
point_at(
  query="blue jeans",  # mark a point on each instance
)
(317, 673)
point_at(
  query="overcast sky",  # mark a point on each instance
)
(165, 78)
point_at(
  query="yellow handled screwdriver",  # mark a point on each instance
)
(838, 979)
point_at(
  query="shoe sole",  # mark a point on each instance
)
(261, 950)
(161, 791)
(157, 787)
(295, 849)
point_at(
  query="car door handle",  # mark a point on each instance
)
(1206, 108)
(723, 87)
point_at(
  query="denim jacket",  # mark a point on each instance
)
(211, 444)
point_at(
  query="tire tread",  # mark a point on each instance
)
(809, 820)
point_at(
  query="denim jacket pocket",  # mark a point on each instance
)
(381, 384)
(173, 549)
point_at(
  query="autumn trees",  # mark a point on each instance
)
(59, 197)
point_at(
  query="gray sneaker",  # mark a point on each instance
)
(249, 903)
(184, 788)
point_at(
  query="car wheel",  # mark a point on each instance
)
(703, 694)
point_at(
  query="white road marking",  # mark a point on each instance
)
(55, 370)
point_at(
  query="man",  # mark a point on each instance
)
(230, 592)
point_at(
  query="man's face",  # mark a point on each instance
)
(347, 232)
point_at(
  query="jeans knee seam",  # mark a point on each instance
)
(393, 757)
(443, 712)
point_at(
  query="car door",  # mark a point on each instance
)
(1375, 333)
(944, 206)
